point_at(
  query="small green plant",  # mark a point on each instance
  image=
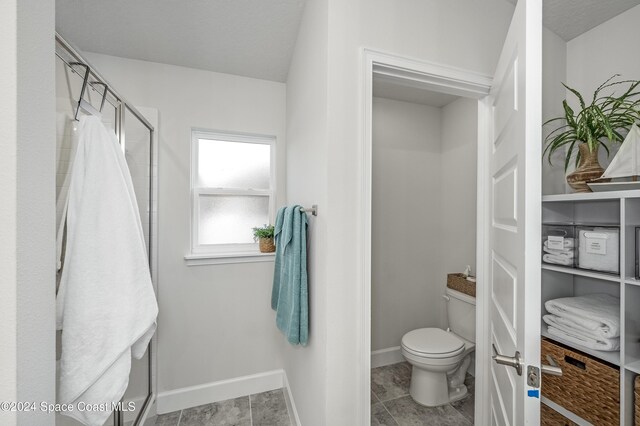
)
(265, 231)
(607, 117)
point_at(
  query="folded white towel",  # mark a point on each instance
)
(106, 305)
(558, 259)
(595, 314)
(568, 243)
(608, 345)
(567, 253)
(568, 327)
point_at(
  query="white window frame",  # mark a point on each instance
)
(227, 253)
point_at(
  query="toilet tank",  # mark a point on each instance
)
(461, 312)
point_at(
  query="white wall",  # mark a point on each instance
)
(307, 185)
(463, 33)
(215, 321)
(406, 222)
(423, 213)
(602, 52)
(27, 208)
(554, 72)
(458, 191)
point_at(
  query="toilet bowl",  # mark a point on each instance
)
(440, 358)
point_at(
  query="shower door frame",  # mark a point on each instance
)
(120, 125)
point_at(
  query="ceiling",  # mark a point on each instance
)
(243, 37)
(401, 90)
(252, 38)
(570, 18)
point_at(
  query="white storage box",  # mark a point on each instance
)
(599, 248)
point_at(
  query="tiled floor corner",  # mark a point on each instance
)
(262, 409)
(391, 404)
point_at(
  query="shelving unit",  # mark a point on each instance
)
(621, 208)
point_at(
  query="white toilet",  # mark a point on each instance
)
(440, 358)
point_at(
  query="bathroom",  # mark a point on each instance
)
(424, 217)
(369, 114)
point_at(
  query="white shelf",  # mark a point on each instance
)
(632, 281)
(566, 413)
(610, 357)
(591, 196)
(582, 273)
(633, 364)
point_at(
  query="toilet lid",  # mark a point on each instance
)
(432, 341)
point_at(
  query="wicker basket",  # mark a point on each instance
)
(637, 400)
(460, 283)
(267, 245)
(588, 387)
(550, 417)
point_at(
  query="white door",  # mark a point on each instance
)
(513, 178)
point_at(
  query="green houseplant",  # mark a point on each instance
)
(264, 236)
(604, 121)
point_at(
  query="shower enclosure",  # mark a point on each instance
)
(80, 89)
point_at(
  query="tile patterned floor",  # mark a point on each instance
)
(391, 404)
(262, 409)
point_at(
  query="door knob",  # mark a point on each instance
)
(510, 361)
(552, 369)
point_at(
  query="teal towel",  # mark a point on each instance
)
(290, 295)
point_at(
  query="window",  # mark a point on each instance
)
(232, 190)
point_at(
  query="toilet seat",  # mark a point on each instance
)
(432, 343)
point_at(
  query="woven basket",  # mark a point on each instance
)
(460, 283)
(266, 245)
(637, 400)
(588, 387)
(550, 417)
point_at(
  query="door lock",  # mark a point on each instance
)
(533, 376)
(510, 361)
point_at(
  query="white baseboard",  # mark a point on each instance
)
(291, 405)
(179, 399)
(387, 356)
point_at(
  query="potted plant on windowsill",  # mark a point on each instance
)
(604, 121)
(264, 236)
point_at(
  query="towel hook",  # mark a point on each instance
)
(85, 81)
(104, 93)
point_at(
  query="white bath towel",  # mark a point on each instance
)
(106, 305)
(578, 339)
(558, 259)
(595, 314)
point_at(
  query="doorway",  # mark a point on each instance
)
(416, 82)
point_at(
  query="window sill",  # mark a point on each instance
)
(226, 258)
